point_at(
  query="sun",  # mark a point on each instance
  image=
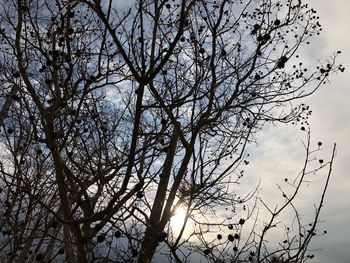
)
(178, 219)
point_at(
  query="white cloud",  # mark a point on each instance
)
(280, 151)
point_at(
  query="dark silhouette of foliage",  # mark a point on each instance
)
(116, 113)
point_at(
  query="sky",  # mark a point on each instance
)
(279, 153)
(332, 122)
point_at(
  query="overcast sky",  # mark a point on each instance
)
(332, 122)
(279, 153)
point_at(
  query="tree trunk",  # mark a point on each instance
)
(149, 245)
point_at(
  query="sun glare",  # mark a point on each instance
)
(178, 219)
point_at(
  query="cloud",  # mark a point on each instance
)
(280, 152)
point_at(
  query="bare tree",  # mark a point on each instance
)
(115, 114)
